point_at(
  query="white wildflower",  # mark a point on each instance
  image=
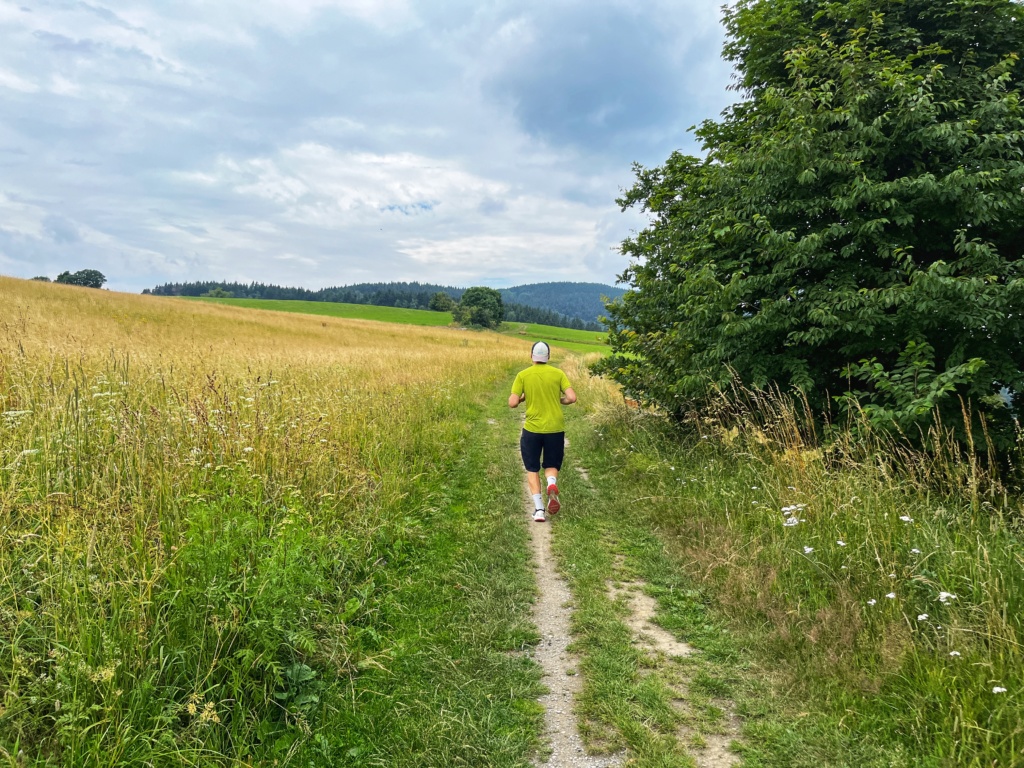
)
(906, 518)
(891, 595)
(841, 543)
(998, 689)
(790, 522)
(808, 550)
(30, 452)
(915, 551)
(954, 653)
(872, 601)
(945, 597)
(922, 617)
(247, 449)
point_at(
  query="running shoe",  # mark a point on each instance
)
(538, 516)
(553, 505)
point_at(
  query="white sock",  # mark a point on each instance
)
(551, 480)
(538, 501)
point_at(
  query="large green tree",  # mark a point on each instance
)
(480, 306)
(88, 278)
(856, 226)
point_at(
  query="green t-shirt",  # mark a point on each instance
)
(543, 386)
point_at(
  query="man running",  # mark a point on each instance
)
(545, 389)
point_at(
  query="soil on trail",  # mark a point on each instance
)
(551, 615)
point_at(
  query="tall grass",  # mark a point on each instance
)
(879, 585)
(197, 511)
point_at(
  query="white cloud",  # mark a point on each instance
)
(14, 82)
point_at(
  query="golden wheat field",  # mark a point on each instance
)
(193, 499)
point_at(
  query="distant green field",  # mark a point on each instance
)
(580, 342)
(553, 333)
(348, 311)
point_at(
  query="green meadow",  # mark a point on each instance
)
(347, 311)
(582, 342)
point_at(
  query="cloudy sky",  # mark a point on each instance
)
(329, 142)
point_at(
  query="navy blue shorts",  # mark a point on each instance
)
(551, 445)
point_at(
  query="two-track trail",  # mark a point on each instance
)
(552, 614)
(619, 685)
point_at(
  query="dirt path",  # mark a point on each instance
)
(551, 615)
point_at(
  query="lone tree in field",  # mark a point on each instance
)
(88, 278)
(856, 228)
(481, 307)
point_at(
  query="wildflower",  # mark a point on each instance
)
(793, 507)
(673, 469)
(247, 449)
(954, 653)
(872, 601)
(808, 550)
(915, 551)
(30, 452)
(906, 518)
(841, 543)
(998, 689)
(892, 575)
(753, 487)
(790, 522)
(891, 595)
(945, 597)
(843, 568)
(922, 617)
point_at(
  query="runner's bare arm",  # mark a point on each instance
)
(568, 397)
(514, 400)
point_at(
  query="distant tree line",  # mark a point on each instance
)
(582, 300)
(522, 313)
(405, 295)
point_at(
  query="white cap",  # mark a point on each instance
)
(540, 352)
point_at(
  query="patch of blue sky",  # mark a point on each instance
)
(409, 209)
